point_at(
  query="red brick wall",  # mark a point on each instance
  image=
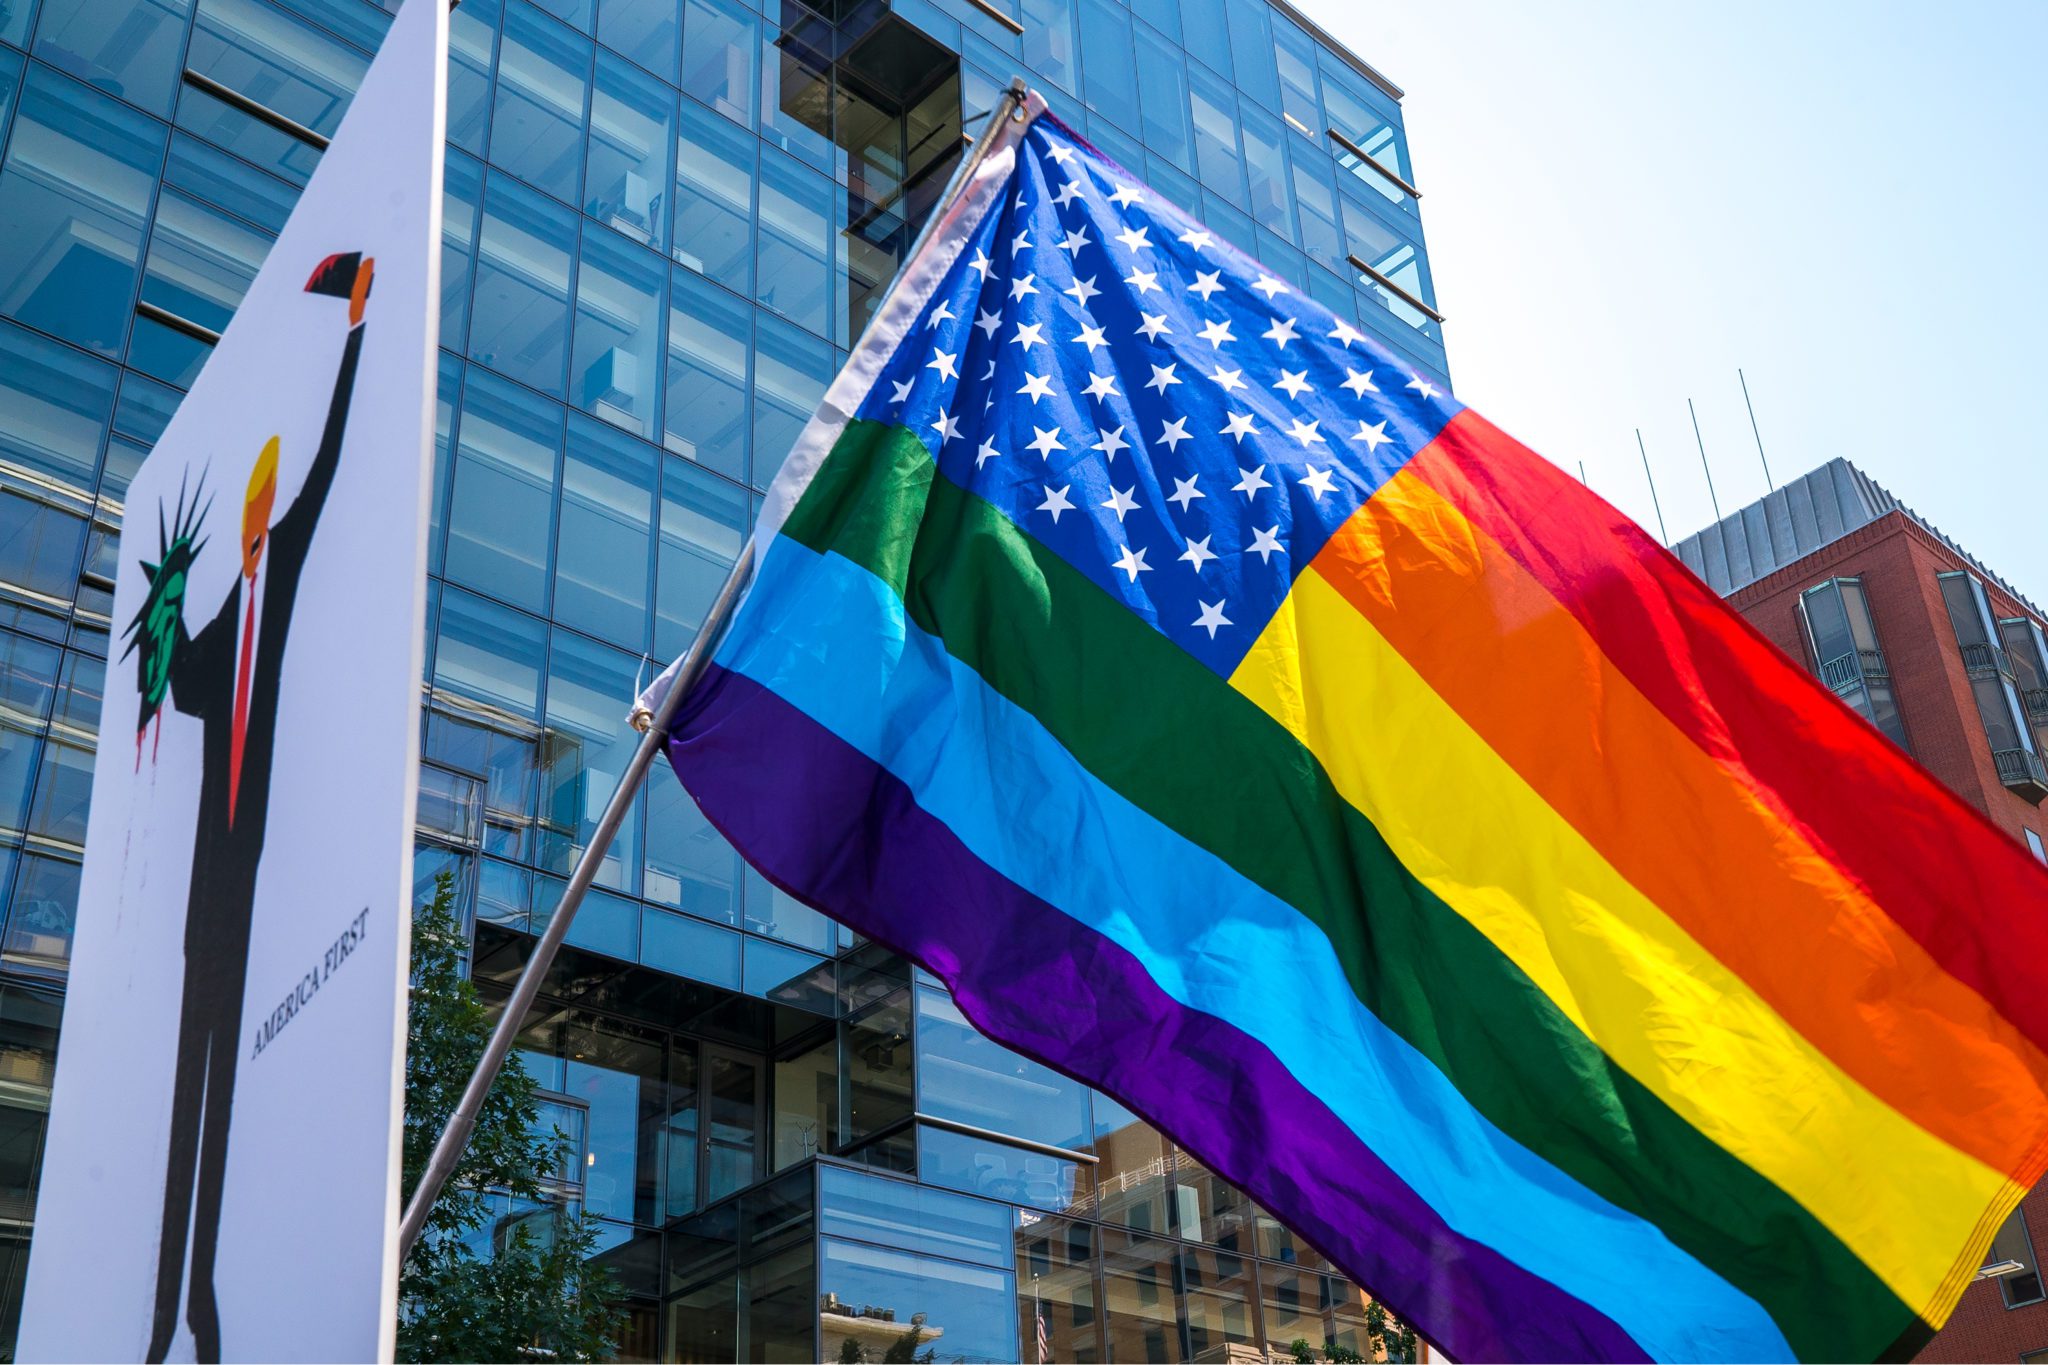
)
(1983, 1328)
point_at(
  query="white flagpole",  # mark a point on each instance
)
(462, 1123)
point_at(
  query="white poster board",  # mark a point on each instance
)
(221, 1174)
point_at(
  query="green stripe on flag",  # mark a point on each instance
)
(1206, 762)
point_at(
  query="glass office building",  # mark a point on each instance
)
(666, 222)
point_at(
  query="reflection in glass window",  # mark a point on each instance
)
(964, 1076)
(1373, 242)
(614, 1071)
(618, 332)
(500, 508)
(1140, 1317)
(40, 544)
(211, 175)
(997, 1170)
(1315, 196)
(543, 86)
(127, 48)
(472, 45)
(584, 754)
(606, 530)
(797, 104)
(200, 264)
(16, 19)
(1048, 41)
(1295, 55)
(1254, 63)
(878, 1066)
(1205, 31)
(57, 404)
(791, 372)
(605, 923)
(42, 914)
(703, 521)
(1356, 111)
(1108, 76)
(804, 1120)
(709, 335)
(1272, 199)
(720, 39)
(795, 262)
(1131, 1169)
(28, 678)
(1205, 1208)
(689, 864)
(447, 398)
(893, 1213)
(1163, 99)
(968, 1311)
(74, 192)
(689, 948)
(715, 198)
(1217, 161)
(489, 654)
(63, 790)
(519, 322)
(462, 194)
(271, 57)
(626, 187)
(644, 30)
(1056, 1288)
(774, 912)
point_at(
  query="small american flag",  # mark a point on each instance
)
(1044, 1339)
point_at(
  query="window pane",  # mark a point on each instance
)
(73, 195)
(872, 1208)
(1295, 55)
(791, 371)
(778, 914)
(1206, 33)
(644, 30)
(796, 260)
(54, 407)
(1215, 132)
(127, 48)
(519, 322)
(878, 1067)
(964, 1076)
(805, 1117)
(796, 104)
(210, 174)
(703, 521)
(1138, 1297)
(786, 975)
(586, 752)
(1049, 42)
(1315, 197)
(16, 18)
(288, 66)
(472, 45)
(504, 491)
(719, 38)
(40, 546)
(1130, 1177)
(709, 335)
(488, 653)
(689, 864)
(630, 116)
(543, 85)
(715, 198)
(40, 920)
(199, 266)
(689, 948)
(616, 1072)
(28, 679)
(1109, 80)
(618, 331)
(1373, 242)
(607, 523)
(1272, 201)
(1251, 52)
(1163, 93)
(974, 1304)
(462, 192)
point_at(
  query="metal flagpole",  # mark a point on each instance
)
(1754, 432)
(1703, 457)
(1662, 534)
(462, 1123)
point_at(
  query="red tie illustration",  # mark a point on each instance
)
(241, 703)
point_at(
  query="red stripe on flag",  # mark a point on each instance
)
(1959, 885)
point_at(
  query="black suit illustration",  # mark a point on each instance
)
(227, 676)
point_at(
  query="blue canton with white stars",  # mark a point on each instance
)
(1146, 401)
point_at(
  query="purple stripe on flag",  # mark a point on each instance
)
(856, 844)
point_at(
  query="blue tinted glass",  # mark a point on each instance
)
(447, 400)
(127, 48)
(1049, 42)
(519, 319)
(1295, 56)
(1109, 78)
(74, 195)
(281, 62)
(144, 409)
(212, 175)
(543, 91)
(17, 17)
(627, 182)
(282, 154)
(489, 654)
(996, 1170)
(709, 335)
(1162, 87)
(703, 521)
(503, 494)
(700, 952)
(1217, 160)
(1315, 198)
(200, 263)
(1367, 121)
(791, 371)
(575, 12)
(1227, 221)
(584, 754)
(788, 976)
(40, 547)
(28, 679)
(1205, 31)
(1251, 49)
(644, 30)
(873, 1208)
(605, 923)
(778, 914)
(607, 525)
(502, 893)
(796, 104)
(965, 1077)
(362, 24)
(462, 193)
(10, 83)
(54, 408)
(40, 919)
(689, 864)
(1174, 185)
(615, 363)
(720, 47)
(1272, 198)
(472, 47)
(1118, 145)
(714, 199)
(797, 251)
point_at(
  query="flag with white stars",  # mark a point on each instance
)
(1235, 722)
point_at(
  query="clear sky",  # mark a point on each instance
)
(1624, 202)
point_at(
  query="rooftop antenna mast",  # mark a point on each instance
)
(1711, 497)
(1754, 432)
(1662, 534)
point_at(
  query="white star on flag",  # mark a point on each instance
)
(1196, 238)
(1020, 242)
(1251, 483)
(1101, 386)
(1422, 386)
(1133, 564)
(1082, 290)
(1134, 238)
(1037, 386)
(1197, 553)
(942, 313)
(1216, 331)
(1360, 381)
(1153, 326)
(1059, 153)
(1295, 382)
(1027, 284)
(1212, 616)
(1206, 283)
(1144, 281)
(1344, 332)
(1265, 544)
(1374, 435)
(943, 363)
(1120, 501)
(987, 452)
(1075, 240)
(1306, 433)
(1162, 375)
(1185, 492)
(1046, 442)
(1056, 503)
(899, 390)
(1280, 332)
(1238, 426)
(980, 264)
(988, 320)
(948, 428)
(1068, 193)
(1126, 195)
(1173, 433)
(1091, 337)
(1029, 334)
(1269, 286)
(1110, 443)
(1317, 482)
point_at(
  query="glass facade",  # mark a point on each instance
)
(666, 223)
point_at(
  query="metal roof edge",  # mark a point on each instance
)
(1322, 36)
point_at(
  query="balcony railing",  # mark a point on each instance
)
(1845, 671)
(1983, 659)
(2037, 704)
(2022, 772)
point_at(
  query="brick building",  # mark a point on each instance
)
(1950, 662)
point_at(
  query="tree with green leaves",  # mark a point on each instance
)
(534, 1290)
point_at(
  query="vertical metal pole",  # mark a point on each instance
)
(1754, 432)
(1662, 534)
(462, 1123)
(1703, 459)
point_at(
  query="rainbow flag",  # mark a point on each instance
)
(1235, 722)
